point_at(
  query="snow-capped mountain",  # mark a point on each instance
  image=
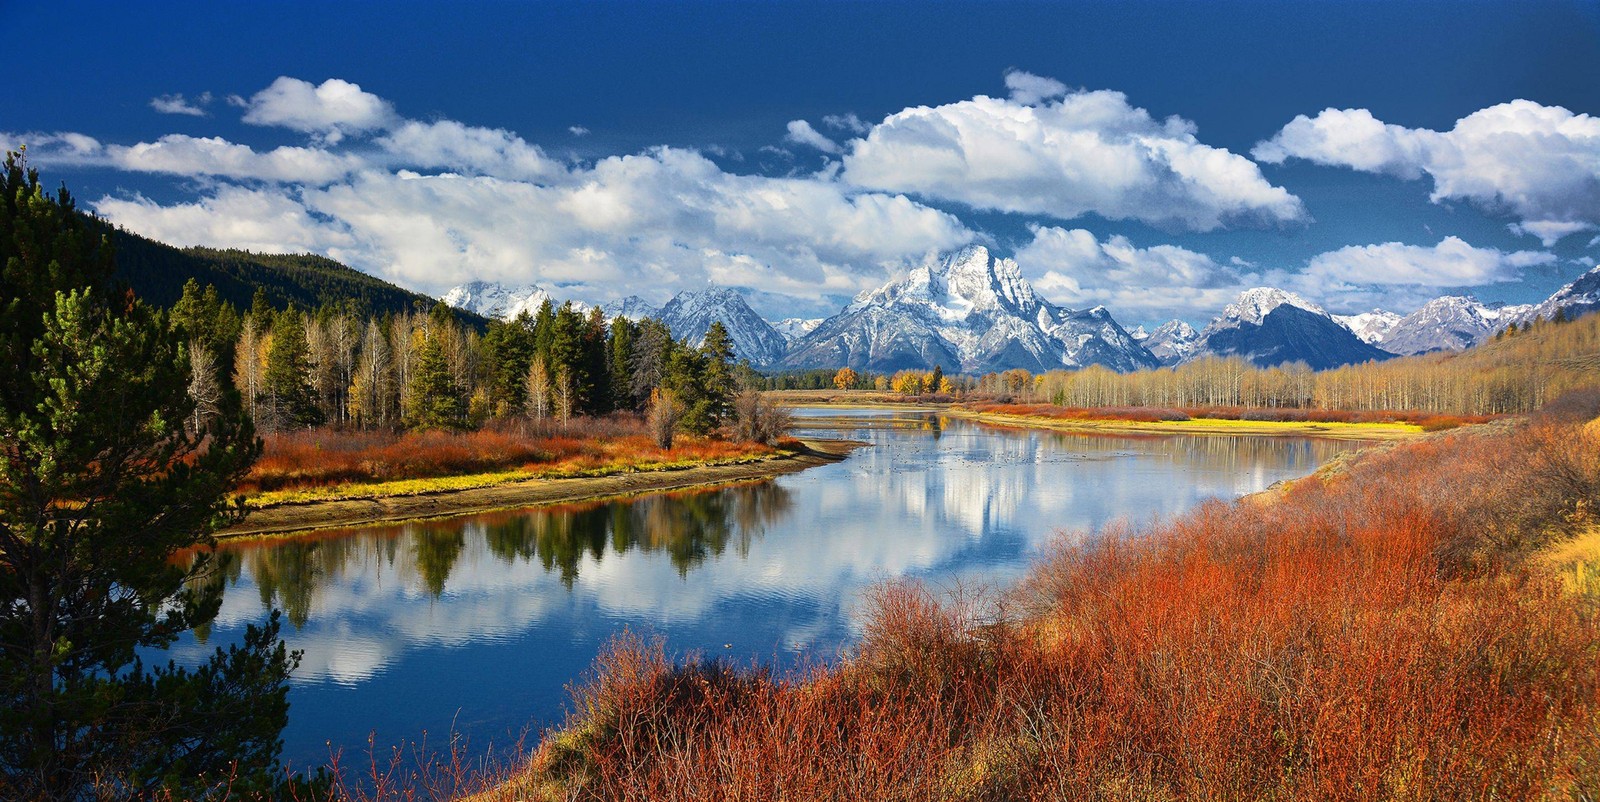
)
(1450, 323)
(1269, 326)
(1576, 299)
(689, 314)
(793, 328)
(1172, 342)
(1372, 326)
(966, 312)
(633, 308)
(495, 300)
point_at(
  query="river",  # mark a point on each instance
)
(475, 625)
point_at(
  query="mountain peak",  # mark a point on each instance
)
(967, 309)
(1253, 305)
(492, 299)
(690, 314)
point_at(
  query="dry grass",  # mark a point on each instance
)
(1376, 634)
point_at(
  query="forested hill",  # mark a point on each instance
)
(156, 272)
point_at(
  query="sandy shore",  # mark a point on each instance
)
(339, 513)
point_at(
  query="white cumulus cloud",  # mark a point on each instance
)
(1451, 263)
(1085, 152)
(801, 133)
(450, 145)
(1537, 163)
(1028, 89)
(1074, 268)
(331, 110)
(650, 223)
(176, 103)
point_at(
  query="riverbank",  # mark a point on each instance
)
(399, 501)
(1380, 629)
(1217, 426)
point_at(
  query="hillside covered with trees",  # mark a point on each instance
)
(157, 272)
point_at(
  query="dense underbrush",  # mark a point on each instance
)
(1378, 633)
(322, 457)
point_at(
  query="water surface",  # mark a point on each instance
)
(476, 624)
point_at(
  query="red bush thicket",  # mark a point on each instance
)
(1374, 633)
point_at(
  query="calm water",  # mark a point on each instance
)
(476, 624)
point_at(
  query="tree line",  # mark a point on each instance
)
(1516, 372)
(425, 370)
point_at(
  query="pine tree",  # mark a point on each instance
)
(598, 396)
(287, 384)
(433, 400)
(619, 362)
(101, 488)
(720, 386)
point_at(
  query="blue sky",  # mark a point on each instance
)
(1147, 157)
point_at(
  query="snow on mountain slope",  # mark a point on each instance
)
(966, 312)
(1372, 326)
(1268, 326)
(1172, 342)
(1576, 299)
(689, 314)
(793, 328)
(1449, 323)
(633, 308)
(495, 300)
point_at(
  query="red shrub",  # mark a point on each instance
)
(1372, 635)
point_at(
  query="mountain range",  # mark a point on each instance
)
(972, 312)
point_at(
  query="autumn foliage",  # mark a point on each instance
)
(1372, 633)
(325, 457)
(1429, 421)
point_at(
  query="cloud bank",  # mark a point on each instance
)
(1047, 151)
(1539, 164)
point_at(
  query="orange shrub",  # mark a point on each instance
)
(326, 456)
(1373, 634)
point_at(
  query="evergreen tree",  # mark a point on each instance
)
(936, 381)
(619, 362)
(597, 397)
(652, 348)
(433, 400)
(101, 489)
(286, 384)
(567, 354)
(720, 385)
(507, 354)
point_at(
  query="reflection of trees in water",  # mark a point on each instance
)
(290, 572)
(1218, 451)
(688, 528)
(436, 549)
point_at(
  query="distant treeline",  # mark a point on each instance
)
(1516, 372)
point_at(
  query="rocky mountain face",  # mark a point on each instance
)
(968, 312)
(1372, 326)
(1576, 299)
(1171, 342)
(794, 328)
(495, 300)
(1450, 323)
(1269, 327)
(633, 308)
(690, 314)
